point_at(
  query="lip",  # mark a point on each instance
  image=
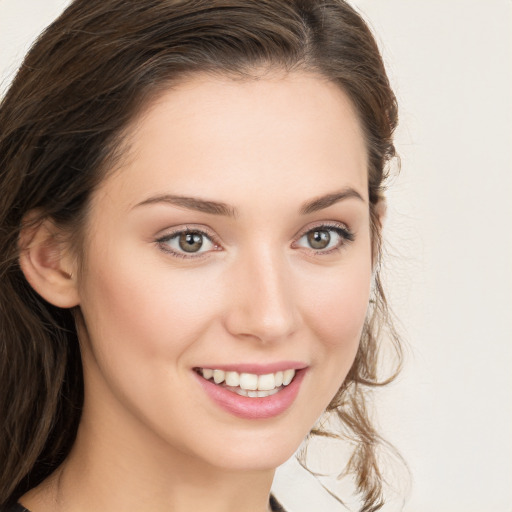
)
(258, 369)
(253, 408)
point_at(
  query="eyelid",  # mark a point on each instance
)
(184, 228)
(188, 228)
(328, 224)
(342, 229)
(346, 234)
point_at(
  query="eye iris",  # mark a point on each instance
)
(191, 242)
(319, 239)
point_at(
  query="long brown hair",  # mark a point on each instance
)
(61, 127)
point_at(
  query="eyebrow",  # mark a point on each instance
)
(192, 203)
(322, 202)
(218, 208)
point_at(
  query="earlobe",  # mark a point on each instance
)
(48, 265)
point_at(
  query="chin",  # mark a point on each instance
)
(257, 452)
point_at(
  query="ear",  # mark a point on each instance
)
(381, 209)
(47, 263)
(379, 215)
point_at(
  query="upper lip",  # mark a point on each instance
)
(257, 368)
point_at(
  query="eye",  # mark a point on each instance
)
(187, 243)
(325, 238)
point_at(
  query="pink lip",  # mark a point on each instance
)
(253, 408)
(258, 369)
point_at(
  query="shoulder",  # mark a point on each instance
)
(275, 505)
(16, 507)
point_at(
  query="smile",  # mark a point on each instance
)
(252, 396)
(249, 384)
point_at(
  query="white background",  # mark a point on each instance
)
(449, 233)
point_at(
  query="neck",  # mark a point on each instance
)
(132, 470)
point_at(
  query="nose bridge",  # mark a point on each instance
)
(263, 304)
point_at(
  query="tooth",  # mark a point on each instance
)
(278, 379)
(207, 373)
(288, 376)
(252, 394)
(232, 379)
(266, 382)
(248, 381)
(218, 376)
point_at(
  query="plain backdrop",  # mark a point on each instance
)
(449, 252)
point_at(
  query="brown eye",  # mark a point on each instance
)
(187, 243)
(325, 239)
(190, 242)
(318, 238)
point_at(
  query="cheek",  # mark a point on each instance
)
(336, 314)
(337, 309)
(141, 309)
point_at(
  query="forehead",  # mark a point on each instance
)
(224, 138)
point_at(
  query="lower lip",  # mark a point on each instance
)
(253, 408)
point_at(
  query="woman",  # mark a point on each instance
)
(192, 198)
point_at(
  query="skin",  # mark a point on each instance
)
(150, 438)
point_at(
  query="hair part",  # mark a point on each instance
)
(64, 122)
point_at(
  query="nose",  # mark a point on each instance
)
(262, 305)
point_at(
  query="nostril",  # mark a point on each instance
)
(261, 299)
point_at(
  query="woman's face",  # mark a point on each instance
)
(235, 237)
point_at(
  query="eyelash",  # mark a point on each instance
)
(164, 240)
(346, 236)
